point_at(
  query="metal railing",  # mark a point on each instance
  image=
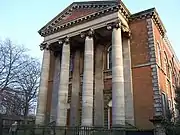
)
(54, 130)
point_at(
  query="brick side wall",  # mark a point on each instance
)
(143, 97)
(167, 82)
(142, 78)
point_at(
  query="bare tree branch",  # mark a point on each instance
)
(19, 78)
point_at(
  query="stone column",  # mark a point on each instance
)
(99, 87)
(56, 81)
(87, 91)
(43, 90)
(129, 104)
(118, 99)
(74, 112)
(64, 84)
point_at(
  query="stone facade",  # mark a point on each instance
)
(106, 69)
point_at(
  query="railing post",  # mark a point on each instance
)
(1, 125)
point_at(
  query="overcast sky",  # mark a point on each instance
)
(20, 20)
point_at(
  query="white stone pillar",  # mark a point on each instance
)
(56, 81)
(118, 99)
(74, 111)
(87, 92)
(99, 87)
(64, 85)
(43, 89)
(129, 104)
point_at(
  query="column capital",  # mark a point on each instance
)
(44, 46)
(89, 33)
(114, 25)
(128, 34)
(64, 40)
(126, 30)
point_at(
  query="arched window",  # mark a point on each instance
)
(168, 71)
(109, 57)
(165, 63)
(178, 79)
(159, 53)
(171, 71)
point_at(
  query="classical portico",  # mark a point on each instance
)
(76, 94)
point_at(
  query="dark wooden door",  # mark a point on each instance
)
(68, 118)
(110, 116)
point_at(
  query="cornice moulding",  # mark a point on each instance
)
(106, 7)
(150, 13)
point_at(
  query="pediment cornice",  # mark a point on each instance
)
(80, 12)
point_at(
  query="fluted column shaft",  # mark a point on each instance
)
(63, 86)
(99, 87)
(129, 107)
(56, 82)
(43, 90)
(74, 112)
(118, 99)
(87, 92)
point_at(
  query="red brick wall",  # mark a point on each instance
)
(164, 85)
(108, 84)
(141, 77)
(143, 97)
(139, 44)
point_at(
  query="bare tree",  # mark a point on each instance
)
(11, 102)
(28, 84)
(19, 78)
(11, 62)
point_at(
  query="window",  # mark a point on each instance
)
(68, 118)
(178, 79)
(165, 63)
(168, 71)
(169, 104)
(171, 71)
(109, 58)
(164, 104)
(71, 64)
(159, 53)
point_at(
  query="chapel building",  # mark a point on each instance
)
(104, 66)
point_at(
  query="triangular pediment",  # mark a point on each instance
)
(78, 12)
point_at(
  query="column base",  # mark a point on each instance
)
(159, 129)
(130, 123)
(118, 129)
(40, 119)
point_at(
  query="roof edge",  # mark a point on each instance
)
(150, 13)
(166, 39)
(61, 13)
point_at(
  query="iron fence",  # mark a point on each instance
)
(42, 130)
